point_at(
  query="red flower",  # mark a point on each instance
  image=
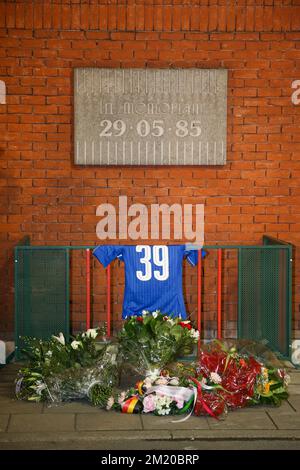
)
(140, 319)
(185, 325)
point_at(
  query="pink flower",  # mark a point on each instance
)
(179, 404)
(149, 404)
(161, 381)
(147, 383)
(121, 398)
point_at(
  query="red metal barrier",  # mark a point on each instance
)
(199, 295)
(88, 288)
(219, 289)
(108, 301)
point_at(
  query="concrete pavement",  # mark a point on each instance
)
(76, 425)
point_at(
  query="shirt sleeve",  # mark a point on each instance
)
(107, 253)
(192, 256)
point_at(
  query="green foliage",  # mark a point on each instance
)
(58, 370)
(154, 339)
(99, 394)
(271, 387)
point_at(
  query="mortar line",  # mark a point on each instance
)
(8, 422)
(267, 413)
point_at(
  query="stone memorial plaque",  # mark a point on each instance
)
(150, 116)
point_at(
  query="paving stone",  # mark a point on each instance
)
(165, 422)
(24, 423)
(107, 421)
(294, 401)
(73, 407)
(7, 391)
(7, 378)
(285, 420)
(3, 422)
(294, 389)
(237, 420)
(16, 407)
(10, 384)
(295, 377)
(263, 408)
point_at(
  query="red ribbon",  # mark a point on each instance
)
(200, 401)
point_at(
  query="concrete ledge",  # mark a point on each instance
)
(85, 436)
(183, 435)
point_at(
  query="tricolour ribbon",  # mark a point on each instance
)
(129, 405)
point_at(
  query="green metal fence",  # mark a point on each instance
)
(265, 294)
(42, 304)
(41, 293)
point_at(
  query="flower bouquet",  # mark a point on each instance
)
(223, 379)
(157, 394)
(226, 379)
(61, 371)
(152, 340)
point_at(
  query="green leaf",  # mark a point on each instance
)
(176, 331)
(279, 390)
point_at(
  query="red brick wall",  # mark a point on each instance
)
(45, 196)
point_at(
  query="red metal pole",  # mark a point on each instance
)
(219, 321)
(199, 286)
(88, 289)
(108, 295)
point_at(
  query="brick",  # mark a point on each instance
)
(257, 190)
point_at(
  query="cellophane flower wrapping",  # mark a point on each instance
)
(236, 375)
(61, 371)
(152, 340)
(158, 394)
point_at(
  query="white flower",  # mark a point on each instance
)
(110, 403)
(174, 381)
(92, 333)
(155, 314)
(40, 386)
(152, 374)
(214, 377)
(76, 344)
(145, 312)
(49, 353)
(60, 338)
(163, 405)
(194, 334)
(171, 321)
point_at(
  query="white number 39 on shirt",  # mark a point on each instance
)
(154, 256)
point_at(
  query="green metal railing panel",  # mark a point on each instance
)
(41, 293)
(286, 288)
(265, 296)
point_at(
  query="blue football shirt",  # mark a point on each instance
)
(153, 276)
